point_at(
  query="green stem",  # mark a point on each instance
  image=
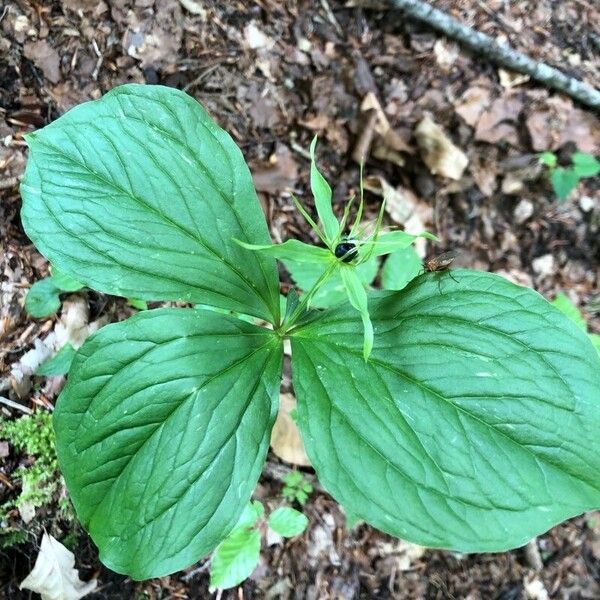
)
(306, 298)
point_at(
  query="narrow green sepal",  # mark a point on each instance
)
(357, 296)
(292, 250)
(391, 241)
(322, 194)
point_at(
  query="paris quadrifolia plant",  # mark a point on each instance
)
(460, 412)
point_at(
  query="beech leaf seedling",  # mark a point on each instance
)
(461, 411)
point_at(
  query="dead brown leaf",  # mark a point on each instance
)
(472, 104)
(498, 122)
(45, 57)
(286, 441)
(279, 175)
(438, 152)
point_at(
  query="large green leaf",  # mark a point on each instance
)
(474, 424)
(162, 432)
(140, 194)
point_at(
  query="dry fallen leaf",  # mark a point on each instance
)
(498, 123)
(510, 79)
(279, 175)
(45, 58)
(404, 208)
(446, 54)
(54, 576)
(472, 104)
(440, 155)
(286, 441)
(194, 7)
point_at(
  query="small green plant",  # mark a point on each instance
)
(296, 488)
(237, 555)
(33, 436)
(43, 299)
(461, 411)
(565, 179)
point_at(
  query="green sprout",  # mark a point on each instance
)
(296, 488)
(565, 179)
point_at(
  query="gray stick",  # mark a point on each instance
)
(500, 54)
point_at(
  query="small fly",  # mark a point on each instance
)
(441, 263)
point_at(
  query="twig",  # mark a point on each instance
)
(15, 405)
(532, 555)
(500, 54)
(203, 566)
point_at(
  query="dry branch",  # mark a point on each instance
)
(500, 54)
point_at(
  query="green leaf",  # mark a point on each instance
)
(333, 291)
(567, 308)
(162, 431)
(474, 424)
(235, 559)
(294, 250)
(253, 511)
(287, 521)
(357, 296)
(564, 181)
(399, 268)
(595, 339)
(59, 364)
(585, 165)
(42, 299)
(140, 194)
(322, 193)
(394, 240)
(137, 303)
(549, 159)
(64, 282)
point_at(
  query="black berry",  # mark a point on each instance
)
(347, 251)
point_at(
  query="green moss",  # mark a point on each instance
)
(33, 437)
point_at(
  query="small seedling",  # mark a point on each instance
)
(43, 299)
(431, 412)
(565, 179)
(237, 555)
(296, 488)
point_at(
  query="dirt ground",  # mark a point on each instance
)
(274, 74)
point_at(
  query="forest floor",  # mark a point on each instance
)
(274, 74)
